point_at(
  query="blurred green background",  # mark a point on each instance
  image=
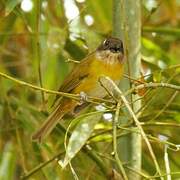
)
(70, 29)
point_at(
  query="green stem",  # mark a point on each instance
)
(87, 150)
(125, 101)
(116, 19)
(23, 83)
(127, 26)
(40, 166)
(162, 30)
(38, 47)
(115, 123)
(94, 100)
(153, 85)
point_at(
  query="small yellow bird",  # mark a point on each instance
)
(107, 60)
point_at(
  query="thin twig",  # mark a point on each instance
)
(157, 176)
(133, 79)
(40, 166)
(171, 145)
(38, 47)
(72, 60)
(136, 122)
(153, 85)
(76, 97)
(88, 150)
(142, 132)
(118, 161)
(139, 112)
(137, 172)
(166, 105)
(73, 96)
(159, 124)
(73, 172)
(68, 95)
(109, 93)
(22, 34)
(166, 160)
(162, 30)
(153, 10)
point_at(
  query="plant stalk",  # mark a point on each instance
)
(127, 27)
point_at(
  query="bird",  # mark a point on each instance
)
(107, 60)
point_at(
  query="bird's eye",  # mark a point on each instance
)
(106, 42)
(118, 49)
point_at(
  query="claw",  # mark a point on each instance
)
(83, 98)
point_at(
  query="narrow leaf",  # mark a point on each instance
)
(8, 161)
(10, 5)
(80, 135)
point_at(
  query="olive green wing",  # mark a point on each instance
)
(77, 75)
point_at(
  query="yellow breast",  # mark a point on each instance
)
(98, 68)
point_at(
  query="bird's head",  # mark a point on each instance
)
(111, 49)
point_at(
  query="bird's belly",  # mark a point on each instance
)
(99, 91)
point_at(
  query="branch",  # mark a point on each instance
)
(172, 173)
(166, 105)
(119, 92)
(85, 149)
(162, 30)
(94, 100)
(160, 124)
(40, 166)
(38, 46)
(153, 85)
(76, 96)
(88, 150)
(138, 172)
(167, 165)
(22, 83)
(118, 161)
(172, 146)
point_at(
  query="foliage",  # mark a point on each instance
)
(64, 36)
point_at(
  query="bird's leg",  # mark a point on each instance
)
(83, 97)
(81, 104)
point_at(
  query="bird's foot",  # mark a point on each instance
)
(83, 98)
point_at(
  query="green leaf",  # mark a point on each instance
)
(101, 14)
(7, 165)
(80, 135)
(157, 54)
(10, 5)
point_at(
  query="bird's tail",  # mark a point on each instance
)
(51, 122)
